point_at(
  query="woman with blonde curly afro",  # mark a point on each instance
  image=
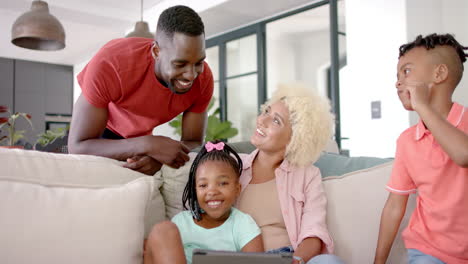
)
(281, 189)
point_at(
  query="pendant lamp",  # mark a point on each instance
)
(37, 29)
(141, 27)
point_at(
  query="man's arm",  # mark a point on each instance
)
(193, 129)
(89, 122)
(390, 220)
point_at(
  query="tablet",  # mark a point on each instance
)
(202, 256)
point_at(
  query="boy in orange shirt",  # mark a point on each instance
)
(431, 157)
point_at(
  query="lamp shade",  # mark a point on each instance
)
(141, 31)
(37, 29)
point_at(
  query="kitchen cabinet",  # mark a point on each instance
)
(40, 89)
(6, 82)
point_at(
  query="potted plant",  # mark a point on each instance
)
(12, 136)
(52, 140)
(215, 129)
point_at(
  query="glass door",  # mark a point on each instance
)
(242, 85)
(239, 81)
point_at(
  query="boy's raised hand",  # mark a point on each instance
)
(452, 140)
(419, 93)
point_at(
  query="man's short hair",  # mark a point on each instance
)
(180, 19)
(433, 40)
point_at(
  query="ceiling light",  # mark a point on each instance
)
(38, 29)
(141, 27)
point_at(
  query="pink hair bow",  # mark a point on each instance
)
(210, 146)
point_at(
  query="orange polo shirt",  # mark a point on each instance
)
(439, 224)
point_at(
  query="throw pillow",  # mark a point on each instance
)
(52, 168)
(355, 203)
(173, 184)
(68, 223)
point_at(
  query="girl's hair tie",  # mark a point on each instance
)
(210, 146)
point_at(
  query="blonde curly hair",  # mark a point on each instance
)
(311, 122)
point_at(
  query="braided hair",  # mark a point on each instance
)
(433, 40)
(226, 154)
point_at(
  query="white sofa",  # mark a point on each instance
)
(59, 208)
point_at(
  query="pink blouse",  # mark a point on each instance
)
(302, 200)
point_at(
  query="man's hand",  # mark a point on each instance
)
(143, 164)
(168, 151)
(419, 93)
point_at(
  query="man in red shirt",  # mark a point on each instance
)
(135, 84)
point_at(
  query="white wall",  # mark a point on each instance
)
(374, 30)
(280, 61)
(455, 20)
(312, 52)
(448, 16)
(77, 68)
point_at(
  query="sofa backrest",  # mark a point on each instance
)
(63, 208)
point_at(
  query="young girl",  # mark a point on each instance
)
(210, 221)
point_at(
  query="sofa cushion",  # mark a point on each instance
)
(173, 184)
(63, 168)
(70, 223)
(332, 164)
(355, 203)
(87, 170)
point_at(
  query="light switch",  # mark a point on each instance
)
(376, 110)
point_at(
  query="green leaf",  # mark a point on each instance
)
(219, 130)
(229, 133)
(215, 129)
(176, 123)
(217, 111)
(51, 135)
(19, 134)
(213, 122)
(221, 127)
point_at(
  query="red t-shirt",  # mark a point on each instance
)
(121, 78)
